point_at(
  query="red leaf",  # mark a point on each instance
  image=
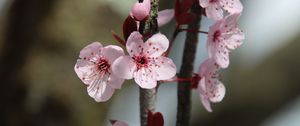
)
(186, 5)
(177, 9)
(186, 18)
(129, 26)
(155, 119)
(118, 38)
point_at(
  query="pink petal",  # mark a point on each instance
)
(124, 67)
(232, 6)
(141, 10)
(222, 57)
(214, 12)
(135, 44)
(85, 70)
(112, 52)
(115, 82)
(99, 89)
(230, 22)
(235, 40)
(164, 16)
(119, 123)
(204, 3)
(165, 68)
(145, 78)
(203, 96)
(156, 45)
(90, 50)
(218, 92)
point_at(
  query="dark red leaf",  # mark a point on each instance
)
(118, 38)
(129, 26)
(186, 5)
(177, 9)
(155, 119)
(186, 18)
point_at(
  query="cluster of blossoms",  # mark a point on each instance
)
(104, 68)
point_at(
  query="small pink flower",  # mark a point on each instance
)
(223, 37)
(210, 88)
(165, 16)
(141, 10)
(94, 69)
(118, 123)
(145, 62)
(214, 10)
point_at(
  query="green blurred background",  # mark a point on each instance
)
(40, 41)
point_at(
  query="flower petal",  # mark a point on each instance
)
(90, 50)
(214, 12)
(165, 68)
(85, 70)
(119, 123)
(222, 57)
(235, 41)
(145, 78)
(135, 44)
(141, 10)
(204, 3)
(203, 95)
(232, 6)
(164, 16)
(99, 89)
(156, 45)
(217, 91)
(115, 82)
(112, 52)
(124, 67)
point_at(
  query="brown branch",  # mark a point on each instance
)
(186, 70)
(148, 96)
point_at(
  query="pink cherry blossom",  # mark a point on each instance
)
(94, 69)
(223, 37)
(210, 88)
(118, 123)
(165, 16)
(141, 10)
(145, 62)
(214, 10)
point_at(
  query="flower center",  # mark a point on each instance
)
(216, 36)
(103, 65)
(141, 61)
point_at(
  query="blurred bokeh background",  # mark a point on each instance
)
(40, 41)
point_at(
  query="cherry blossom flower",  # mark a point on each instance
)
(223, 37)
(165, 16)
(141, 10)
(94, 69)
(145, 62)
(118, 123)
(213, 8)
(210, 88)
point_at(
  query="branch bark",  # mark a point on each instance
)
(186, 70)
(148, 96)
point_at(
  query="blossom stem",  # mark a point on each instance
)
(148, 96)
(193, 30)
(177, 80)
(186, 70)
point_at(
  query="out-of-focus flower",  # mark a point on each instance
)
(210, 88)
(214, 10)
(164, 17)
(94, 69)
(118, 123)
(141, 10)
(145, 62)
(223, 37)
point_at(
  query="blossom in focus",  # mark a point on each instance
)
(224, 36)
(210, 88)
(94, 69)
(141, 10)
(118, 123)
(213, 8)
(145, 62)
